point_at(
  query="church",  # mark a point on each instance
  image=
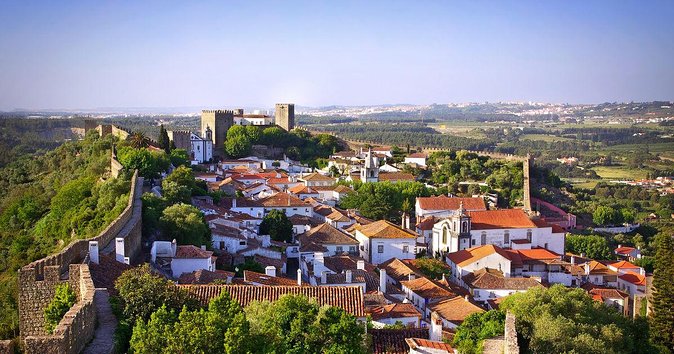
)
(506, 228)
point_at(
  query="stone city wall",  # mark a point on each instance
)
(510, 345)
(77, 326)
(38, 281)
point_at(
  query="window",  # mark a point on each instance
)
(472, 242)
(529, 235)
(339, 249)
(406, 249)
(483, 238)
(352, 249)
(464, 227)
(380, 248)
(506, 237)
(242, 243)
(444, 235)
(222, 245)
(545, 246)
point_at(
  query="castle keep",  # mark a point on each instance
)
(214, 126)
(284, 115)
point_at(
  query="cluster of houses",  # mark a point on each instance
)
(487, 254)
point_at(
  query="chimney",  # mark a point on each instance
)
(382, 280)
(620, 246)
(349, 276)
(465, 297)
(360, 264)
(402, 225)
(407, 221)
(203, 247)
(270, 271)
(573, 260)
(93, 251)
(174, 247)
(234, 202)
(324, 277)
(299, 277)
(411, 276)
(127, 260)
(436, 328)
(119, 249)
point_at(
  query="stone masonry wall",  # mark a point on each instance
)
(77, 326)
(510, 345)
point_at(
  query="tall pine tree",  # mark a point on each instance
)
(662, 319)
(163, 140)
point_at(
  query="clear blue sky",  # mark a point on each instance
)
(86, 54)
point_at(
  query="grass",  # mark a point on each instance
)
(583, 183)
(619, 173)
(665, 148)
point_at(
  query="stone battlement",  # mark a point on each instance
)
(75, 328)
(225, 111)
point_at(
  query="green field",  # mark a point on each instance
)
(583, 183)
(619, 173)
(544, 137)
(665, 148)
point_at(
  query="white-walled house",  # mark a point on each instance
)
(404, 313)
(382, 240)
(489, 284)
(290, 204)
(189, 258)
(332, 239)
(505, 228)
(418, 158)
(467, 261)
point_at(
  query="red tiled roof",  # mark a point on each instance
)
(317, 177)
(634, 278)
(427, 288)
(470, 255)
(438, 347)
(451, 203)
(259, 278)
(500, 219)
(392, 341)
(385, 229)
(394, 311)
(536, 254)
(105, 273)
(282, 200)
(191, 251)
(417, 155)
(399, 270)
(456, 309)
(340, 263)
(426, 223)
(486, 278)
(302, 189)
(349, 298)
(624, 250)
(325, 234)
(624, 265)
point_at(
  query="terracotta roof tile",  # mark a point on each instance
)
(282, 200)
(634, 278)
(624, 250)
(451, 203)
(394, 311)
(191, 251)
(500, 219)
(486, 278)
(426, 223)
(349, 298)
(470, 255)
(344, 262)
(456, 309)
(417, 155)
(385, 229)
(317, 177)
(263, 279)
(437, 347)
(203, 276)
(396, 176)
(325, 234)
(427, 288)
(392, 341)
(399, 270)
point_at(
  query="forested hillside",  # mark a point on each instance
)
(46, 201)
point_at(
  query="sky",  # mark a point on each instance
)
(90, 54)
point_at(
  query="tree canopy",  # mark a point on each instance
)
(592, 246)
(185, 223)
(662, 320)
(476, 328)
(277, 225)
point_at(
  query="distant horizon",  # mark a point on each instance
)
(81, 54)
(248, 108)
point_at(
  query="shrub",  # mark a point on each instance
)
(63, 300)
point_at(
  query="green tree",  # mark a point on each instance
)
(186, 224)
(432, 267)
(605, 215)
(148, 163)
(476, 328)
(277, 225)
(183, 176)
(176, 193)
(662, 319)
(565, 320)
(163, 141)
(153, 207)
(222, 328)
(64, 299)
(296, 324)
(179, 157)
(238, 146)
(592, 246)
(138, 140)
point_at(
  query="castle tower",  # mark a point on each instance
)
(218, 121)
(284, 115)
(370, 172)
(461, 223)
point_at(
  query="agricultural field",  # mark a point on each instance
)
(620, 173)
(544, 137)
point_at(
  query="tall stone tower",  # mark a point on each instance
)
(218, 122)
(284, 116)
(370, 172)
